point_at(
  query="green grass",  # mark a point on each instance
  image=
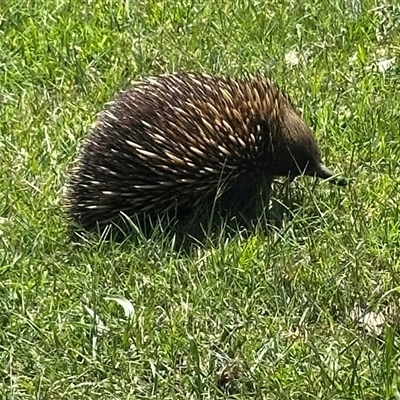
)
(270, 316)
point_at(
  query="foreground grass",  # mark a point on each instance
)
(272, 316)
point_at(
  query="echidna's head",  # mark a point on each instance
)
(297, 152)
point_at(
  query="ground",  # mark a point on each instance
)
(308, 309)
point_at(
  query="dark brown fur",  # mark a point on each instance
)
(178, 140)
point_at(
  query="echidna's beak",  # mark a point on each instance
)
(324, 172)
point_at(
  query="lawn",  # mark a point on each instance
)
(307, 309)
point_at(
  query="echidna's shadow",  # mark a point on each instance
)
(240, 211)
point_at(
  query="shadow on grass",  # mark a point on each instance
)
(240, 211)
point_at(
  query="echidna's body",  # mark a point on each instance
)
(175, 140)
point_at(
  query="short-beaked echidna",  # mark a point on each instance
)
(177, 139)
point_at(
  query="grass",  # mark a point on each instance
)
(270, 316)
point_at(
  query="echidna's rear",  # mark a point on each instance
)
(176, 140)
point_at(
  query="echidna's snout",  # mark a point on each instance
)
(302, 149)
(324, 172)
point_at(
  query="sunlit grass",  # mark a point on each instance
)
(271, 316)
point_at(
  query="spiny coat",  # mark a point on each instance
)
(177, 140)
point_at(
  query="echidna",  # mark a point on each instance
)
(177, 139)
